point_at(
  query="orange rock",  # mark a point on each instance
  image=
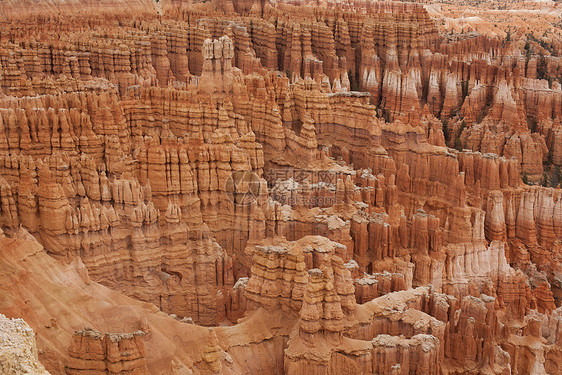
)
(166, 150)
(99, 353)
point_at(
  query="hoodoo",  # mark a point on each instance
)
(280, 187)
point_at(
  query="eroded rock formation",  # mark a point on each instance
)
(109, 353)
(18, 352)
(332, 187)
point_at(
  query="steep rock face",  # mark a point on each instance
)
(272, 266)
(64, 300)
(281, 172)
(77, 222)
(402, 62)
(279, 272)
(539, 348)
(114, 353)
(217, 65)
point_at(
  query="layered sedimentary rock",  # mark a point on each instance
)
(217, 65)
(333, 187)
(113, 353)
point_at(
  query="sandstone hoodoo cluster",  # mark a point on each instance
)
(242, 187)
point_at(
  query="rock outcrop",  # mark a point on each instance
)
(109, 353)
(18, 352)
(278, 187)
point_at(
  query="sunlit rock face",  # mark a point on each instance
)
(276, 187)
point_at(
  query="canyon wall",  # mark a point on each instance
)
(238, 187)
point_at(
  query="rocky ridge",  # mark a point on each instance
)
(281, 173)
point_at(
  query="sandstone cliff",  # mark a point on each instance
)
(258, 187)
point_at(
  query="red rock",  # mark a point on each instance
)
(166, 150)
(116, 353)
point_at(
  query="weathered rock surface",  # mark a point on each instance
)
(332, 187)
(18, 352)
(109, 353)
